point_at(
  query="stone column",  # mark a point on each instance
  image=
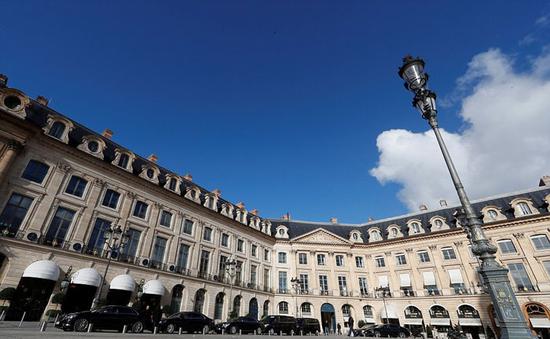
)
(12, 148)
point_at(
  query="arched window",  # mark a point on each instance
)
(375, 235)
(218, 308)
(467, 311)
(266, 308)
(437, 311)
(283, 307)
(253, 308)
(57, 130)
(175, 303)
(199, 301)
(492, 214)
(237, 305)
(306, 309)
(173, 183)
(524, 208)
(123, 160)
(438, 223)
(367, 312)
(346, 310)
(415, 227)
(412, 312)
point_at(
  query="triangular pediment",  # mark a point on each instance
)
(321, 236)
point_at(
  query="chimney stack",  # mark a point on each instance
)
(240, 204)
(3, 81)
(370, 219)
(423, 207)
(107, 133)
(443, 203)
(217, 192)
(42, 100)
(286, 216)
(254, 212)
(153, 158)
(545, 181)
(188, 177)
(333, 220)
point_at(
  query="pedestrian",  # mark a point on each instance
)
(350, 322)
(339, 328)
(325, 326)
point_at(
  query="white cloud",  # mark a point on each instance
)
(504, 147)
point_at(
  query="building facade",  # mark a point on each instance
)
(63, 188)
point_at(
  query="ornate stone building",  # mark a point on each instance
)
(63, 188)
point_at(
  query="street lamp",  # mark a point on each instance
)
(385, 292)
(115, 240)
(296, 285)
(231, 271)
(512, 321)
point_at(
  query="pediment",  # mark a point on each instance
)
(321, 236)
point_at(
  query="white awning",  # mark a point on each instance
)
(413, 321)
(123, 282)
(153, 287)
(429, 278)
(440, 321)
(540, 322)
(469, 322)
(86, 276)
(456, 276)
(370, 321)
(405, 280)
(392, 312)
(42, 269)
(383, 281)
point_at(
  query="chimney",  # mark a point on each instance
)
(333, 220)
(153, 158)
(370, 219)
(217, 192)
(3, 81)
(443, 203)
(188, 177)
(254, 212)
(42, 100)
(545, 181)
(107, 133)
(240, 204)
(423, 207)
(286, 216)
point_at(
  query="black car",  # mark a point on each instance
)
(307, 326)
(188, 322)
(240, 324)
(104, 318)
(276, 324)
(387, 330)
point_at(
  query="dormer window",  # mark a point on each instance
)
(394, 232)
(281, 232)
(415, 228)
(227, 210)
(150, 173)
(172, 183)
(524, 209)
(492, 214)
(193, 193)
(438, 223)
(92, 145)
(57, 130)
(123, 159)
(375, 235)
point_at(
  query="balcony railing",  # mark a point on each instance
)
(413, 315)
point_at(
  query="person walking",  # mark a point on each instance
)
(325, 327)
(350, 323)
(339, 328)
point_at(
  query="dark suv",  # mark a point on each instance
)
(104, 318)
(387, 330)
(307, 325)
(188, 322)
(276, 324)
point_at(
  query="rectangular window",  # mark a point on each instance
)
(183, 255)
(207, 234)
(342, 285)
(225, 240)
(423, 256)
(97, 240)
(187, 227)
(221, 267)
(320, 259)
(266, 255)
(506, 246)
(380, 262)
(131, 247)
(59, 226)
(253, 274)
(359, 262)
(166, 219)
(323, 284)
(254, 250)
(35, 171)
(282, 282)
(266, 279)
(400, 259)
(302, 258)
(140, 209)
(76, 186)
(448, 253)
(519, 274)
(540, 242)
(339, 260)
(240, 245)
(110, 199)
(158, 252)
(203, 264)
(13, 214)
(304, 283)
(363, 287)
(239, 272)
(282, 257)
(547, 266)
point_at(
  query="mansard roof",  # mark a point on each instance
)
(298, 228)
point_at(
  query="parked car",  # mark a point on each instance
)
(189, 322)
(307, 326)
(240, 324)
(276, 324)
(360, 332)
(104, 318)
(387, 330)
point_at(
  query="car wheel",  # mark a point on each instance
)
(259, 331)
(233, 330)
(81, 325)
(205, 329)
(170, 328)
(402, 335)
(377, 334)
(137, 327)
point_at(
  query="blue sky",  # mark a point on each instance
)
(277, 103)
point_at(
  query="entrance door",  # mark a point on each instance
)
(328, 318)
(31, 296)
(78, 298)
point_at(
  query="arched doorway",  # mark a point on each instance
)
(328, 318)
(389, 314)
(469, 320)
(413, 319)
(153, 290)
(439, 319)
(218, 307)
(253, 308)
(237, 306)
(266, 308)
(120, 290)
(306, 310)
(538, 316)
(81, 290)
(368, 314)
(33, 291)
(346, 314)
(199, 300)
(175, 301)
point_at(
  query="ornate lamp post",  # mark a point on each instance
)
(495, 277)
(384, 292)
(296, 285)
(115, 240)
(231, 272)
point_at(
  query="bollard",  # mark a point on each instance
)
(2, 315)
(301, 332)
(240, 332)
(43, 327)
(22, 319)
(155, 330)
(124, 329)
(292, 333)
(203, 331)
(281, 333)
(56, 318)
(179, 331)
(89, 327)
(223, 330)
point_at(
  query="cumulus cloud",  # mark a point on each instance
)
(505, 145)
